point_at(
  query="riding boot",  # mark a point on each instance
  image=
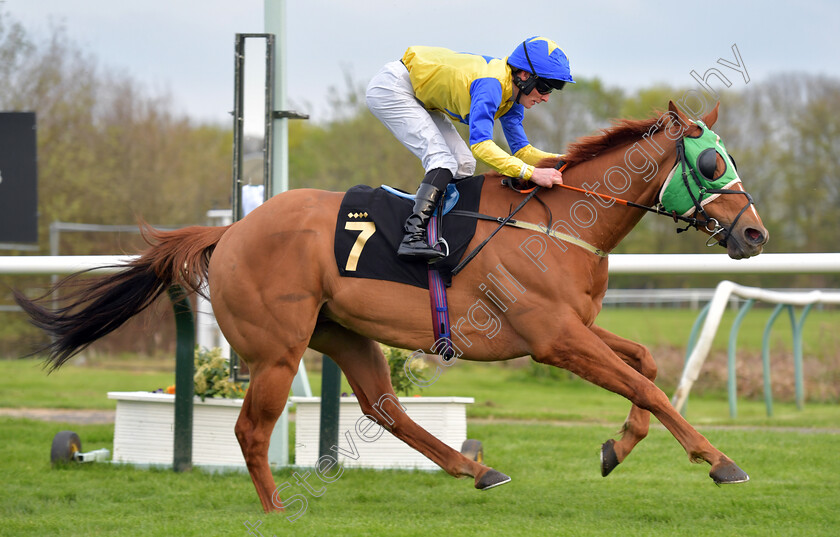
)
(414, 246)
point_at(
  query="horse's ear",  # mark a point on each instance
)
(710, 118)
(676, 116)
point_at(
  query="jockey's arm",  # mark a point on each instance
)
(532, 155)
(486, 99)
(500, 160)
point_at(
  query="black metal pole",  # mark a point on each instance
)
(330, 396)
(238, 125)
(184, 372)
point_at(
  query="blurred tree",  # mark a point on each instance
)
(578, 110)
(352, 148)
(108, 152)
(648, 102)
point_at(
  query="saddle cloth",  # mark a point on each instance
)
(369, 229)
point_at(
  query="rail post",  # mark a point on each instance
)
(732, 382)
(184, 383)
(330, 406)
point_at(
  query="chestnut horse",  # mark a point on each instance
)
(276, 290)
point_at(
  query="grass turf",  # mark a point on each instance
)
(556, 489)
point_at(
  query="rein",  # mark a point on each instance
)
(708, 223)
(690, 220)
(502, 223)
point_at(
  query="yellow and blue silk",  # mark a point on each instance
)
(475, 90)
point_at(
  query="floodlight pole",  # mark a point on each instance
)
(278, 124)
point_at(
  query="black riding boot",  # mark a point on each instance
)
(414, 246)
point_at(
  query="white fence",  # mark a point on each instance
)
(619, 264)
(61, 264)
(721, 264)
(723, 293)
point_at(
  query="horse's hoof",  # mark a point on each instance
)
(490, 479)
(609, 460)
(728, 472)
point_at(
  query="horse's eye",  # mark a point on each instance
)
(734, 164)
(707, 163)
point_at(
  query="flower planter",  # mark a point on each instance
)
(145, 424)
(443, 417)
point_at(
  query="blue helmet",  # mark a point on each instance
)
(545, 60)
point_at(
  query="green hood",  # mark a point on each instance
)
(675, 194)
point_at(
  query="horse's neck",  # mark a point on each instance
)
(634, 172)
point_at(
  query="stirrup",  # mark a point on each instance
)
(445, 244)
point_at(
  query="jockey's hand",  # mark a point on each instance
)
(547, 177)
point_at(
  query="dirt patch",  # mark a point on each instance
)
(821, 377)
(65, 415)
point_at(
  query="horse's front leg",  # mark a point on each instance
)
(636, 426)
(582, 352)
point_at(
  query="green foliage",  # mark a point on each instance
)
(212, 375)
(649, 101)
(355, 148)
(396, 361)
(568, 115)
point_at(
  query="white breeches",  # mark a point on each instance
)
(429, 134)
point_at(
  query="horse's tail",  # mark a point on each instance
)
(95, 307)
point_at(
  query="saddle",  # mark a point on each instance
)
(369, 228)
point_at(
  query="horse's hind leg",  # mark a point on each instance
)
(367, 371)
(636, 426)
(264, 402)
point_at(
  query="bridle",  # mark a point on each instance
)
(704, 166)
(709, 224)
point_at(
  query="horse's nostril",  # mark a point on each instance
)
(754, 235)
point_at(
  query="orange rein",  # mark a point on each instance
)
(604, 196)
(576, 189)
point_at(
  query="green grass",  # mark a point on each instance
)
(513, 393)
(544, 431)
(25, 384)
(500, 392)
(556, 489)
(671, 327)
(77, 385)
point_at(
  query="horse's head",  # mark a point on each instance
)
(705, 185)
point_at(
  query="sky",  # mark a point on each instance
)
(186, 47)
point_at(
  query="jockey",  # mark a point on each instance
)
(418, 96)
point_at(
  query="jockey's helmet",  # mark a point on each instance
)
(547, 63)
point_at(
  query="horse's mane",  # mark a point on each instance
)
(622, 132)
